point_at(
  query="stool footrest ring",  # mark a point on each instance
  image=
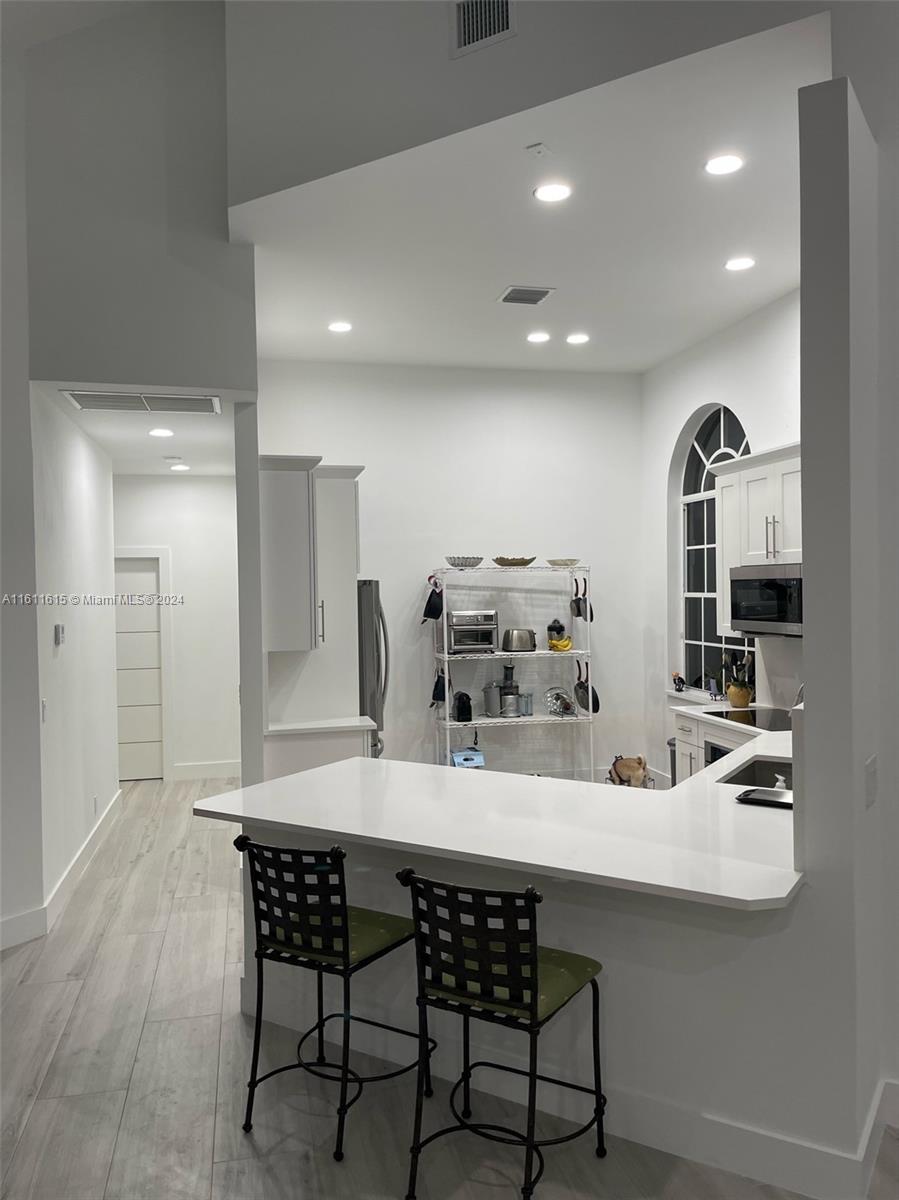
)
(503, 1134)
(332, 1071)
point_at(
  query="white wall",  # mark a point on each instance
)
(753, 369)
(195, 518)
(479, 462)
(74, 555)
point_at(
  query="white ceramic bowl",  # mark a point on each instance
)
(563, 562)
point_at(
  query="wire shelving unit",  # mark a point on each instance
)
(459, 582)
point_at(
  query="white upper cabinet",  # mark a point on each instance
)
(758, 511)
(309, 517)
(728, 510)
(756, 503)
(786, 511)
(288, 553)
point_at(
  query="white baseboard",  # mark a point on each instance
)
(59, 897)
(222, 769)
(819, 1171)
(22, 927)
(889, 1103)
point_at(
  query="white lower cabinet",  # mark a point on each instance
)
(315, 744)
(693, 735)
(688, 760)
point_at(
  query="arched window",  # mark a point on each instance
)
(720, 437)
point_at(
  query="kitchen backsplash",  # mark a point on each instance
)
(778, 670)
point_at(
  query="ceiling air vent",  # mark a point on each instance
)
(478, 23)
(525, 295)
(182, 404)
(144, 402)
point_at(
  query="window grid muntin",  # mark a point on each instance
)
(708, 651)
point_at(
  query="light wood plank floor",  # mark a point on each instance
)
(125, 1058)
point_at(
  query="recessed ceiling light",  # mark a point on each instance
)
(180, 467)
(340, 327)
(161, 433)
(741, 263)
(552, 193)
(577, 339)
(172, 458)
(539, 335)
(724, 164)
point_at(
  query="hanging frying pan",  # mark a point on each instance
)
(433, 609)
(594, 695)
(575, 601)
(585, 603)
(585, 695)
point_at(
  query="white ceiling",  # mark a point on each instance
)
(205, 443)
(415, 249)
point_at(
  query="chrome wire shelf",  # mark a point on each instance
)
(532, 570)
(497, 655)
(536, 719)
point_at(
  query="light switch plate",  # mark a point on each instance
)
(59, 634)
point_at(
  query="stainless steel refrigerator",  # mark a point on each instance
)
(374, 658)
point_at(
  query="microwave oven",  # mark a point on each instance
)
(767, 600)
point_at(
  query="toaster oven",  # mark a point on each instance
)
(471, 631)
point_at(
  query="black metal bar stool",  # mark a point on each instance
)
(477, 955)
(303, 920)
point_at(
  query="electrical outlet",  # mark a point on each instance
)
(43, 711)
(871, 781)
(95, 805)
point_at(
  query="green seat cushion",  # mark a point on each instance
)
(560, 974)
(370, 933)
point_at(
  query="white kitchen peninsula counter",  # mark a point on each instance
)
(689, 900)
(692, 842)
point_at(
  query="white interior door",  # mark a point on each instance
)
(138, 671)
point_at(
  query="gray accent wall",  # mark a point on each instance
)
(131, 276)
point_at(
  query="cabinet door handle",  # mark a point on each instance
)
(321, 605)
(685, 728)
(691, 762)
(774, 537)
(767, 533)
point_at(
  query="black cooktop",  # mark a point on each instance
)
(775, 720)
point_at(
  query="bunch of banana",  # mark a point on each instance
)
(560, 644)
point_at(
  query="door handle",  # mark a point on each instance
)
(774, 537)
(321, 605)
(691, 762)
(767, 533)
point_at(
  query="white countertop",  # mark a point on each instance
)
(710, 713)
(328, 725)
(691, 842)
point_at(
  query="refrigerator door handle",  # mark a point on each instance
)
(385, 642)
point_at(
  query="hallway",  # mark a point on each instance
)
(125, 1059)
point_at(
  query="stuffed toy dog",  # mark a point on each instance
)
(628, 772)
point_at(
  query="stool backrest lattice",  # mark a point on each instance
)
(299, 900)
(476, 945)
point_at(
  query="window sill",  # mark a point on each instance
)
(695, 696)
